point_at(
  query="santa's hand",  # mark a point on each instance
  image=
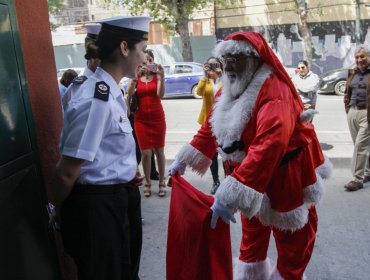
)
(177, 167)
(225, 212)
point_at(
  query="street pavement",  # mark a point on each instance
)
(342, 249)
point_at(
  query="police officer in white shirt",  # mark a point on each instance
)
(91, 55)
(92, 31)
(96, 180)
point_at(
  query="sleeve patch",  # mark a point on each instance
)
(79, 80)
(101, 91)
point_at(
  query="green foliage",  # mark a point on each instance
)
(55, 6)
(167, 12)
(53, 26)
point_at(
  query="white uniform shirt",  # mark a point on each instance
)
(67, 95)
(308, 83)
(99, 132)
(87, 72)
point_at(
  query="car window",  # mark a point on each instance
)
(183, 69)
(166, 69)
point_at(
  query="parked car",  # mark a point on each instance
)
(181, 79)
(334, 81)
(62, 70)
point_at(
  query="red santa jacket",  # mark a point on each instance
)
(266, 118)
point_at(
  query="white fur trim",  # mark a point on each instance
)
(231, 116)
(234, 47)
(298, 217)
(325, 170)
(313, 193)
(290, 220)
(275, 275)
(237, 195)
(251, 271)
(194, 158)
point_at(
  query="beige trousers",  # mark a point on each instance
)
(359, 129)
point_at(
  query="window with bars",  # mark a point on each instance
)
(157, 34)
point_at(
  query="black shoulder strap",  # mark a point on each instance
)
(79, 80)
(101, 91)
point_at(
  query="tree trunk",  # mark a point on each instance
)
(304, 30)
(182, 28)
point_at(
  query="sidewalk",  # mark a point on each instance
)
(342, 249)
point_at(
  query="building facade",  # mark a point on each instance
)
(332, 24)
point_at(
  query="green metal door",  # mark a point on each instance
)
(27, 248)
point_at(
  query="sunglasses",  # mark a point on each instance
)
(229, 60)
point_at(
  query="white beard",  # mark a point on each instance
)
(231, 115)
(235, 86)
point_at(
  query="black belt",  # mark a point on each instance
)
(358, 107)
(229, 165)
(236, 145)
(290, 155)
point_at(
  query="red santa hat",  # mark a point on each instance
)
(249, 42)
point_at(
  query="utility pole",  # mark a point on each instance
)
(358, 23)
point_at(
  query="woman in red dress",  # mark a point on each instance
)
(150, 123)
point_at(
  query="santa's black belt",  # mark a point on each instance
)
(290, 155)
(236, 145)
(229, 165)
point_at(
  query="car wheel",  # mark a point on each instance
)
(340, 87)
(194, 92)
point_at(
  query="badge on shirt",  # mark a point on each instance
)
(101, 91)
(79, 80)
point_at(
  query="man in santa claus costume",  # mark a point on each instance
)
(272, 157)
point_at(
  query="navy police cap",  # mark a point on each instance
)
(127, 26)
(92, 30)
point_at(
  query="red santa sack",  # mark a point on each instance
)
(194, 250)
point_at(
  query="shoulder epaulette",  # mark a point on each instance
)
(101, 91)
(79, 80)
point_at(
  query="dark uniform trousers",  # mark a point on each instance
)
(101, 230)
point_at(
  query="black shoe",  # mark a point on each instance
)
(154, 176)
(353, 186)
(366, 179)
(215, 186)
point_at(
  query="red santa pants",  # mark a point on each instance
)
(294, 248)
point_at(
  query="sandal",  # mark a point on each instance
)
(162, 189)
(147, 192)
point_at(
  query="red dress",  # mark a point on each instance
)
(150, 123)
